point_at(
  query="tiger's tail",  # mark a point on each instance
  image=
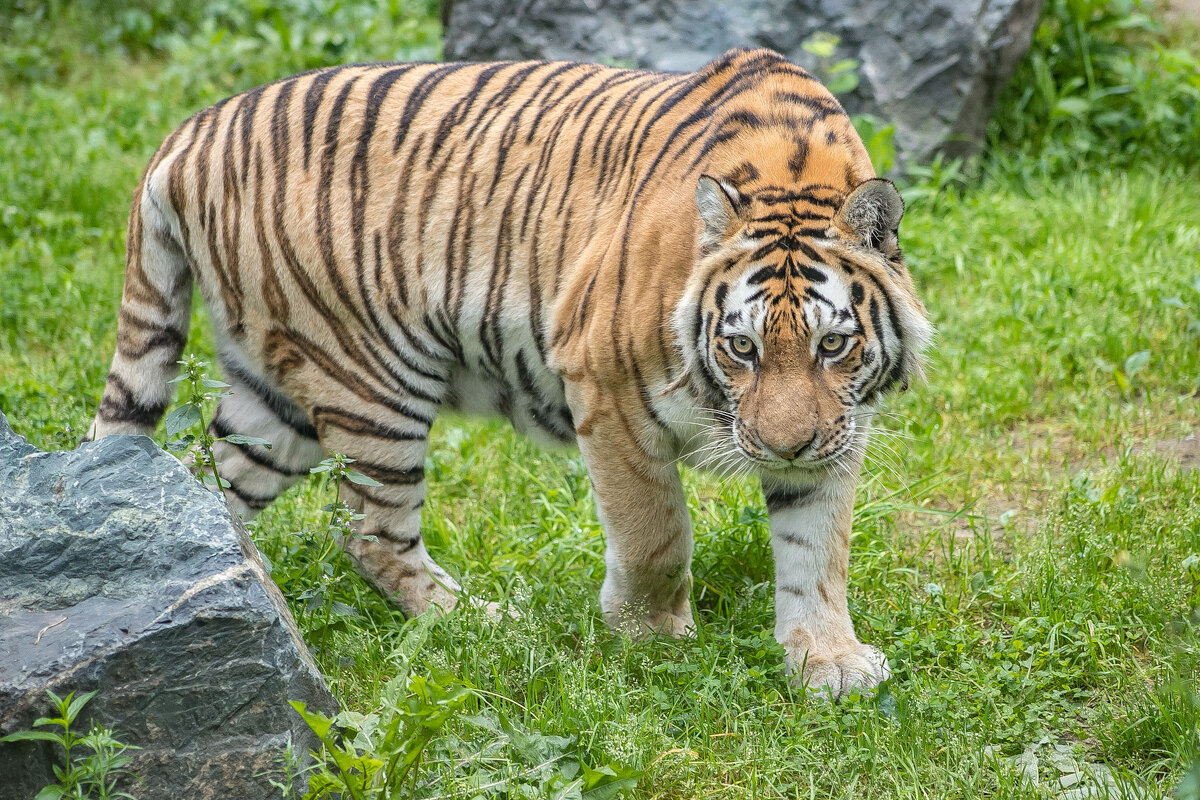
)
(155, 313)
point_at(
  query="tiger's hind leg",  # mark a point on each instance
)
(257, 474)
(387, 548)
(383, 424)
(387, 446)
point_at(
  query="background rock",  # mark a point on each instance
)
(119, 572)
(933, 69)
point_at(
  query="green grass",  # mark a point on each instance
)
(1025, 549)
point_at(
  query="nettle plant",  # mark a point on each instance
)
(92, 764)
(316, 583)
(187, 426)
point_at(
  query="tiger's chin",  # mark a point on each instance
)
(799, 471)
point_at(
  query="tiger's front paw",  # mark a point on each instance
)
(835, 675)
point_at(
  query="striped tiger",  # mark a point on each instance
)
(658, 267)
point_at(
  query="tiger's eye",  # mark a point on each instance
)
(832, 343)
(742, 345)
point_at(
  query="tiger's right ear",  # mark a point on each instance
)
(721, 207)
(871, 214)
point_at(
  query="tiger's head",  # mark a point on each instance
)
(799, 316)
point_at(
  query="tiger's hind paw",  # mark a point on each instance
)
(673, 624)
(493, 611)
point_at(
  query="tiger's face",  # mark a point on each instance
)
(801, 316)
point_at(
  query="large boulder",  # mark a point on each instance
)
(933, 69)
(120, 572)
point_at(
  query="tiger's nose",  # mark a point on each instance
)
(792, 451)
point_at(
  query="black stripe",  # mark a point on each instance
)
(422, 348)
(820, 106)
(373, 497)
(763, 274)
(312, 104)
(124, 407)
(277, 403)
(644, 396)
(552, 101)
(401, 546)
(162, 335)
(794, 539)
(337, 370)
(783, 497)
(257, 502)
(813, 275)
(400, 380)
(248, 108)
(548, 418)
(459, 112)
(350, 422)
(359, 174)
(813, 294)
(417, 97)
(324, 197)
(391, 476)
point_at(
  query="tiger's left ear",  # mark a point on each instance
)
(871, 214)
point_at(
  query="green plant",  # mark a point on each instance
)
(376, 755)
(91, 775)
(502, 759)
(879, 139)
(1101, 80)
(318, 582)
(1190, 306)
(287, 772)
(200, 393)
(216, 44)
(840, 75)
(934, 183)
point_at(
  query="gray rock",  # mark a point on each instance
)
(119, 572)
(934, 69)
(1026, 765)
(1069, 779)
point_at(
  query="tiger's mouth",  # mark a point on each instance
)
(826, 457)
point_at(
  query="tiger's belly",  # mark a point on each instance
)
(516, 384)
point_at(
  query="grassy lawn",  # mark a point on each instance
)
(1027, 544)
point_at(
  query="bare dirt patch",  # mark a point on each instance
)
(1014, 504)
(1185, 451)
(1182, 10)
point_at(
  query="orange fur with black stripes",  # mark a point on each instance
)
(656, 266)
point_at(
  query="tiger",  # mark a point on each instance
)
(660, 268)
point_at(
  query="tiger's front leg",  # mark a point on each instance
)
(810, 535)
(640, 500)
